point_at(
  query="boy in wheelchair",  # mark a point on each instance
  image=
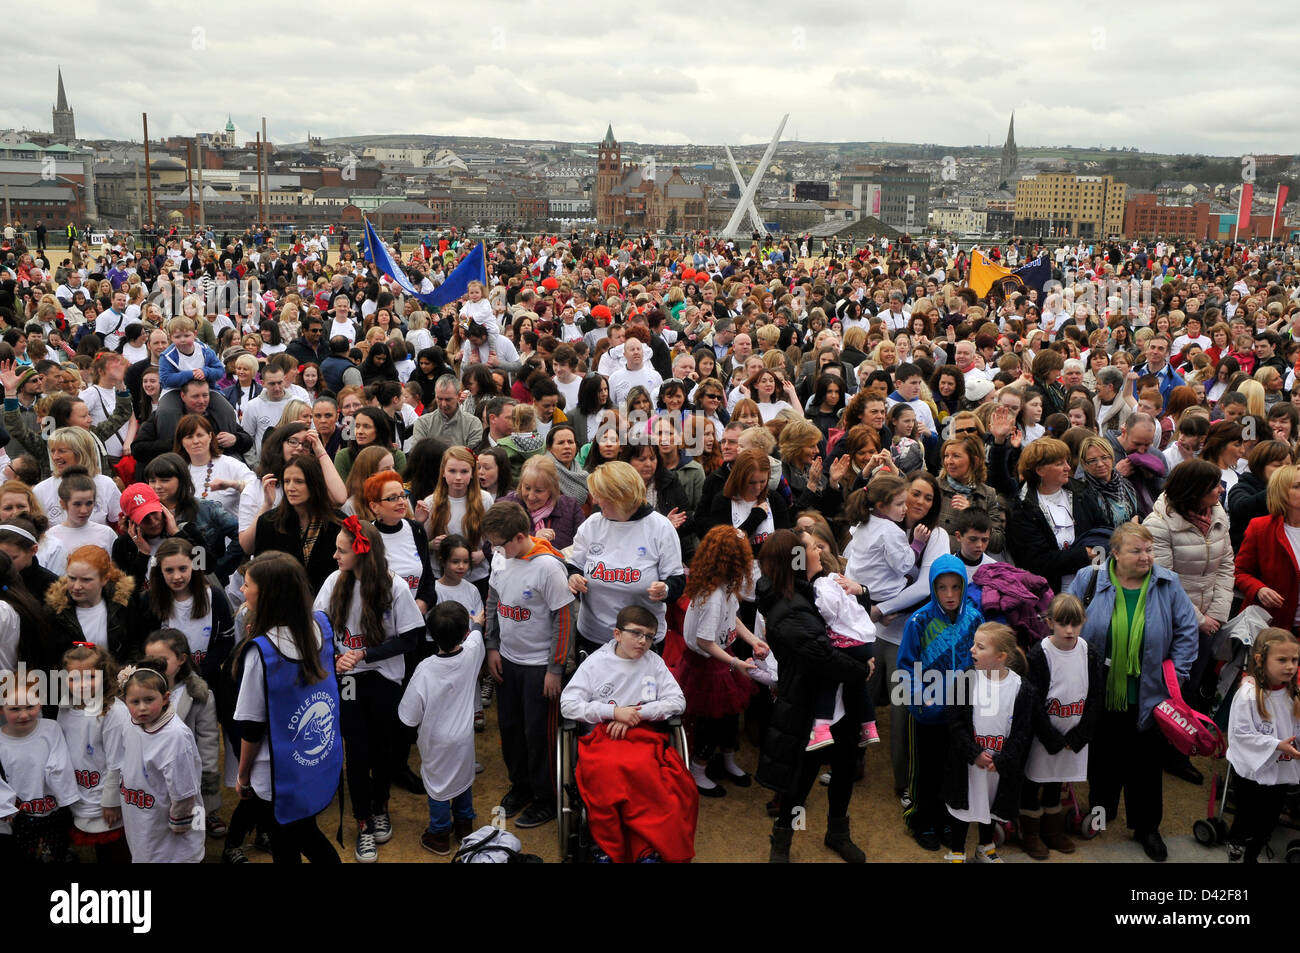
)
(640, 798)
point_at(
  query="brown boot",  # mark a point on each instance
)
(1054, 835)
(1030, 842)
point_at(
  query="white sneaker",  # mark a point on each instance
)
(987, 854)
(954, 857)
(383, 827)
(366, 852)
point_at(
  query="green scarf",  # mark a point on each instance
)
(1125, 643)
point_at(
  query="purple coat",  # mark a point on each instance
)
(564, 519)
(1015, 594)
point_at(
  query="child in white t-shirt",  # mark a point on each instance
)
(439, 701)
(37, 767)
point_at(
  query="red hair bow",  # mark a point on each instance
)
(360, 545)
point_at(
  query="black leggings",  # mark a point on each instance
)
(824, 708)
(369, 713)
(712, 734)
(294, 841)
(1258, 806)
(843, 760)
(957, 840)
(1045, 795)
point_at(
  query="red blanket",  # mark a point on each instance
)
(640, 797)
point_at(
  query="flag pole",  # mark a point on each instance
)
(1272, 225)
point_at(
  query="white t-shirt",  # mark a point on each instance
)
(224, 467)
(767, 410)
(455, 525)
(620, 561)
(251, 703)
(89, 737)
(9, 636)
(401, 617)
(439, 701)
(467, 594)
(569, 392)
(403, 560)
(160, 768)
(713, 620)
(94, 623)
(1067, 691)
(261, 415)
(622, 381)
(107, 500)
(39, 769)
(1252, 740)
(70, 539)
(529, 593)
(993, 707)
(101, 402)
(342, 329)
(1060, 515)
(606, 681)
(198, 632)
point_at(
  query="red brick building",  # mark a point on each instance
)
(1144, 217)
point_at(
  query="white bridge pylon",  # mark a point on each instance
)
(746, 203)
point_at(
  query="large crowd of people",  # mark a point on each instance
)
(278, 521)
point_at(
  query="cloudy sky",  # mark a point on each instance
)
(1164, 76)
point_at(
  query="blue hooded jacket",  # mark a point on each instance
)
(938, 641)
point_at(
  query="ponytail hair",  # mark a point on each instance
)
(175, 640)
(1003, 639)
(150, 672)
(1258, 667)
(104, 666)
(375, 580)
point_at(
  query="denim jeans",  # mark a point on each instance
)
(440, 812)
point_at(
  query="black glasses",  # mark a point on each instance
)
(640, 635)
(395, 497)
(965, 430)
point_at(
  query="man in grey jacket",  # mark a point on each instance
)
(448, 421)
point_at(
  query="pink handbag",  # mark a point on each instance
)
(1186, 729)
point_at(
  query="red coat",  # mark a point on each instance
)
(1265, 560)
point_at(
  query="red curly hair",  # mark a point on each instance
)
(723, 560)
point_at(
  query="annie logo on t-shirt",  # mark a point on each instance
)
(351, 641)
(615, 574)
(136, 797)
(515, 613)
(38, 805)
(1058, 709)
(990, 742)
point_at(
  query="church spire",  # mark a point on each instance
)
(63, 97)
(1010, 155)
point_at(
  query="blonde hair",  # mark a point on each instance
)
(619, 483)
(293, 410)
(1253, 391)
(542, 467)
(1003, 640)
(82, 443)
(1258, 667)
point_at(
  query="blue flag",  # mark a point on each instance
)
(1035, 274)
(473, 268)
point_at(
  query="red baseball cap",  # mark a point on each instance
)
(138, 501)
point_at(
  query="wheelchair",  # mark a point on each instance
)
(576, 844)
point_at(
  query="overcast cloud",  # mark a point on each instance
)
(1166, 77)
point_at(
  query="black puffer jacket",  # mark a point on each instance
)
(805, 661)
